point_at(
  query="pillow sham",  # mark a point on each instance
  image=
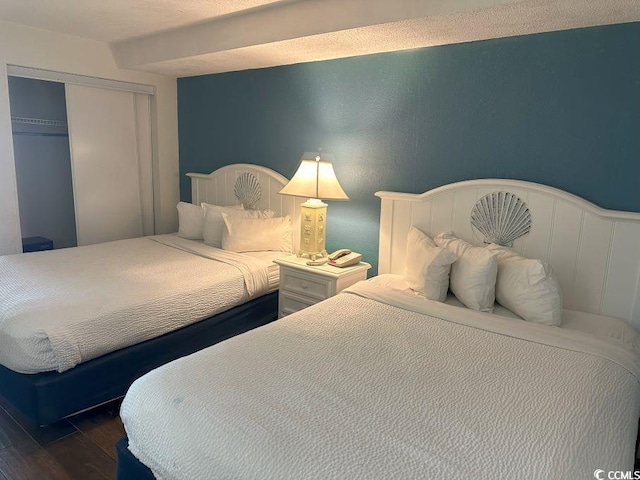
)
(473, 274)
(527, 287)
(427, 266)
(214, 226)
(190, 221)
(256, 234)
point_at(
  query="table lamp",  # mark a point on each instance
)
(316, 180)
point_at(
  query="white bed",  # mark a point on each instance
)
(64, 308)
(380, 383)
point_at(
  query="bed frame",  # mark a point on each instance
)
(47, 397)
(594, 252)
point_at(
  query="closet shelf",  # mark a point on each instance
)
(39, 121)
(41, 134)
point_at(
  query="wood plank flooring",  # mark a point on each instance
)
(81, 447)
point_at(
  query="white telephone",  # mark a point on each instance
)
(344, 258)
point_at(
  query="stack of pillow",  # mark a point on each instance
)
(480, 276)
(233, 228)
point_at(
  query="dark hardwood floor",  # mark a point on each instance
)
(81, 447)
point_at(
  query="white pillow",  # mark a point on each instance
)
(190, 221)
(527, 287)
(239, 206)
(214, 226)
(256, 234)
(473, 274)
(427, 266)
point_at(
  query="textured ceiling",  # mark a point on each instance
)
(115, 20)
(189, 37)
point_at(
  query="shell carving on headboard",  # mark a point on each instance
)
(501, 217)
(247, 190)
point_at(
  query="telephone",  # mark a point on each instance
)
(344, 258)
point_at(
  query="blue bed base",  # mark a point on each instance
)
(45, 398)
(129, 467)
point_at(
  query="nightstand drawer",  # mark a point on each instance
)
(288, 304)
(308, 286)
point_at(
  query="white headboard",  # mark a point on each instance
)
(594, 252)
(263, 184)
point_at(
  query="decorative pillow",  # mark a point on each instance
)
(190, 221)
(256, 234)
(527, 287)
(214, 225)
(473, 274)
(427, 266)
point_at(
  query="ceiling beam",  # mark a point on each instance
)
(281, 21)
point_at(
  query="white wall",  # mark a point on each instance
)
(36, 48)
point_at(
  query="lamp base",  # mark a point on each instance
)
(314, 257)
(312, 229)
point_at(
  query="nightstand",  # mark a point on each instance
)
(303, 285)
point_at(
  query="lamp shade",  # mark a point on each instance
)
(315, 179)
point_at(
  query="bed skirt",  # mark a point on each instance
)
(45, 398)
(129, 467)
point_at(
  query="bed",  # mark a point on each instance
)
(379, 382)
(79, 325)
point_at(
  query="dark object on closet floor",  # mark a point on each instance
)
(36, 244)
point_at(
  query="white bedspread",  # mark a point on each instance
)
(61, 308)
(362, 386)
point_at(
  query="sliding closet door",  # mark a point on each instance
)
(105, 163)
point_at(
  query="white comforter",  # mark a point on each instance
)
(375, 384)
(61, 308)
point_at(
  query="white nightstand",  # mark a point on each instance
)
(303, 285)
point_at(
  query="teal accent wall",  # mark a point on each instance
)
(560, 108)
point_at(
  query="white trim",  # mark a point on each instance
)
(52, 76)
(233, 167)
(504, 183)
(636, 305)
(11, 233)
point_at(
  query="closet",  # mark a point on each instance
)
(43, 164)
(83, 157)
